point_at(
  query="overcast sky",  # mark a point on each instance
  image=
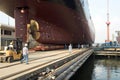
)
(98, 10)
(5, 19)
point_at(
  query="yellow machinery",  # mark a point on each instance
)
(12, 53)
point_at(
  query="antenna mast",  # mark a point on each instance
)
(108, 22)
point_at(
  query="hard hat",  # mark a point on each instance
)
(26, 44)
(11, 42)
(11, 46)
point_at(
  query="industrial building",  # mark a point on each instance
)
(7, 34)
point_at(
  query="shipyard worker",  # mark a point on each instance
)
(82, 46)
(78, 46)
(70, 48)
(11, 45)
(65, 46)
(25, 53)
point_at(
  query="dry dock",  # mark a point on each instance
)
(107, 53)
(58, 64)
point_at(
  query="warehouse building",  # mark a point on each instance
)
(7, 34)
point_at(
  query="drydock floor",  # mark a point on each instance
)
(37, 60)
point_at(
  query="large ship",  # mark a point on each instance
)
(55, 22)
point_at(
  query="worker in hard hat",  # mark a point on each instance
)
(10, 47)
(70, 48)
(25, 53)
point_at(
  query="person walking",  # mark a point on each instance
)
(70, 48)
(25, 54)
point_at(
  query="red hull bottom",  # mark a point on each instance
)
(43, 47)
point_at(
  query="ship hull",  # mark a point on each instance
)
(58, 23)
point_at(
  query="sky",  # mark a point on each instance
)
(5, 19)
(98, 11)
